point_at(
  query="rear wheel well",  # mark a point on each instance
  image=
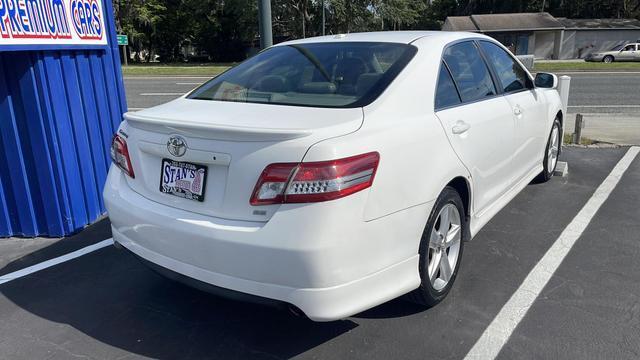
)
(461, 185)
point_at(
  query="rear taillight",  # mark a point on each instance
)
(120, 155)
(315, 181)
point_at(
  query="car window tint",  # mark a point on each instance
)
(511, 75)
(629, 48)
(469, 71)
(333, 74)
(446, 93)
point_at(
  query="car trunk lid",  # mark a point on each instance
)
(234, 141)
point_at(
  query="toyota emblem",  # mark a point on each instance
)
(176, 146)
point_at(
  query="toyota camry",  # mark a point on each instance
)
(335, 173)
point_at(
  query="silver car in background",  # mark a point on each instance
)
(627, 52)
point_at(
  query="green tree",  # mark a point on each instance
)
(398, 14)
(139, 20)
(226, 29)
(175, 29)
(435, 14)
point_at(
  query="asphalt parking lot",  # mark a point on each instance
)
(106, 305)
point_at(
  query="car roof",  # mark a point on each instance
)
(403, 37)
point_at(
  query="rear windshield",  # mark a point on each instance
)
(349, 74)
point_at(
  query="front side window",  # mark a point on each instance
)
(345, 74)
(469, 71)
(446, 93)
(629, 48)
(511, 76)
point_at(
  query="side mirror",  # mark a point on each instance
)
(546, 80)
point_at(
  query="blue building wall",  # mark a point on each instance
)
(59, 109)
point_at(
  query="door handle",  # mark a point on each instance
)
(460, 127)
(517, 110)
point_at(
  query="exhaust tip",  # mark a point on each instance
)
(117, 245)
(295, 311)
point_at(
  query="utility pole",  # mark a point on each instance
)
(264, 20)
(322, 17)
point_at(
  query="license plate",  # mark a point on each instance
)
(183, 179)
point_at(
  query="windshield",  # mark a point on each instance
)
(349, 74)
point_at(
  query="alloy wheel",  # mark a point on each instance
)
(554, 146)
(444, 246)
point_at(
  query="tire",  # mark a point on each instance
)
(608, 59)
(431, 292)
(551, 151)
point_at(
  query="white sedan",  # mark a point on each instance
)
(333, 174)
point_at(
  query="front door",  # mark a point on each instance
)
(628, 53)
(527, 104)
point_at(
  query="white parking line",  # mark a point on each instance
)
(497, 334)
(55, 261)
(603, 106)
(161, 94)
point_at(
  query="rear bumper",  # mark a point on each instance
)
(319, 304)
(322, 258)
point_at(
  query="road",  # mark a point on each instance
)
(147, 91)
(590, 92)
(599, 92)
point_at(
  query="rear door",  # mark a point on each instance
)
(528, 107)
(477, 121)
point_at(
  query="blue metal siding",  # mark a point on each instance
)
(58, 112)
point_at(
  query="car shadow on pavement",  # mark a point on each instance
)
(396, 308)
(112, 298)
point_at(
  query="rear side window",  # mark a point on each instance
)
(340, 74)
(469, 71)
(446, 93)
(511, 75)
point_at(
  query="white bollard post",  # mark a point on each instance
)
(564, 83)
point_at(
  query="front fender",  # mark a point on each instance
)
(554, 106)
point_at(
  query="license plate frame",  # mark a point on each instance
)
(189, 194)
